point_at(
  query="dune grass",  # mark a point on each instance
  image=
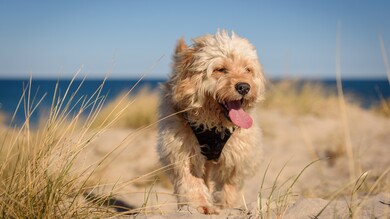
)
(141, 110)
(37, 178)
(297, 98)
(383, 108)
(280, 195)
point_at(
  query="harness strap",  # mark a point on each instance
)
(211, 141)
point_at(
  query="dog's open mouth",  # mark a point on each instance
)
(236, 114)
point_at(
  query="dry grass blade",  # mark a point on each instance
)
(343, 111)
(260, 194)
(384, 56)
(373, 187)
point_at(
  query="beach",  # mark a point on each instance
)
(323, 157)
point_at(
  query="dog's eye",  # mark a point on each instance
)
(248, 70)
(222, 70)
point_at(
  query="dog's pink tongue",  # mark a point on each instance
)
(238, 116)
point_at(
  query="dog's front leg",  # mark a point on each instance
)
(226, 195)
(191, 189)
(227, 188)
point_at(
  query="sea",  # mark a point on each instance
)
(366, 92)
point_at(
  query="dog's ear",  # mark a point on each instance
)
(185, 83)
(181, 46)
(182, 57)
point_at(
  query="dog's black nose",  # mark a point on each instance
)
(243, 88)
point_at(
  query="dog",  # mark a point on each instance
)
(208, 134)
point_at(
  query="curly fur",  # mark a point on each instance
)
(204, 75)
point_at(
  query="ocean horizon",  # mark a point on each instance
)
(366, 92)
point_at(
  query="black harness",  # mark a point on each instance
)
(211, 141)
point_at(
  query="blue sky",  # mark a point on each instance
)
(127, 38)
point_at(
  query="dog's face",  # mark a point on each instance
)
(219, 78)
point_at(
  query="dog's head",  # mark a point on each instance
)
(219, 78)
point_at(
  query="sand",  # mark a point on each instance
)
(291, 143)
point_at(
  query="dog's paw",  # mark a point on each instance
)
(208, 210)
